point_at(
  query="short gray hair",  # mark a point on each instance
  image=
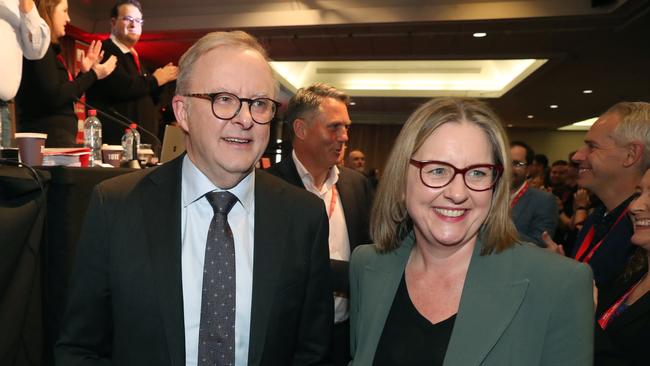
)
(308, 100)
(634, 127)
(207, 43)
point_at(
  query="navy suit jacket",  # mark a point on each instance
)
(536, 211)
(126, 297)
(356, 197)
(609, 261)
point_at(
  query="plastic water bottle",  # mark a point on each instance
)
(93, 137)
(127, 142)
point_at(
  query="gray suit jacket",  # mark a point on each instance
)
(523, 306)
(535, 212)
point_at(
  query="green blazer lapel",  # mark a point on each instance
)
(161, 208)
(386, 273)
(491, 297)
(270, 235)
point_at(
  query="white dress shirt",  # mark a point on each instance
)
(339, 242)
(20, 35)
(196, 215)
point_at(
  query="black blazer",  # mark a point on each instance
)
(44, 102)
(625, 340)
(356, 197)
(130, 93)
(126, 297)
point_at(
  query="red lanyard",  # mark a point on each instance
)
(60, 58)
(521, 192)
(607, 316)
(586, 242)
(332, 203)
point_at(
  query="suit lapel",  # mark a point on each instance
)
(270, 233)
(490, 299)
(347, 200)
(164, 240)
(386, 276)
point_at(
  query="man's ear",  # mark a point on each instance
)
(300, 128)
(180, 106)
(634, 153)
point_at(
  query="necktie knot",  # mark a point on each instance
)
(221, 202)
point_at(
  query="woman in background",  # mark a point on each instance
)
(48, 89)
(447, 282)
(623, 311)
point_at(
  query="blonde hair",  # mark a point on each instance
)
(390, 223)
(207, 43)
(634, 127)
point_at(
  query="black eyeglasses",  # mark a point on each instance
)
(130, 19)
(519, 164)
(226, 106)
(438, 174)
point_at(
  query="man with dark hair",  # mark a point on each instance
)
(533, 211)
(130, 90)
(318, 120)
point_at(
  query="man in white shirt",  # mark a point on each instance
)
(318, 118)
(145, 271)
(22, 33)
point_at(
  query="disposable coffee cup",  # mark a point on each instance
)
(112, 154)
(30, 147)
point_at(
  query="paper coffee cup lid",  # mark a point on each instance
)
(32, 135)
(112, 147)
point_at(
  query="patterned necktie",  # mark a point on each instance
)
(217, 327)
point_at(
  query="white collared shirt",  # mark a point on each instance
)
(339, 242)
(196, 215)
(20, 35)
(120, 45)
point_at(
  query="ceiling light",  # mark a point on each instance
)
(587, 91)
(479, 34)
(579, 126)
(530, 116)
(510, 125)
(553, 106)
(353, 103)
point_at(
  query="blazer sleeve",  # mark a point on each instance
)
(570, 338)
(317, 316)
(86, 334)
(123, 85)
(355, 279)
(56, 91)
(545, 219)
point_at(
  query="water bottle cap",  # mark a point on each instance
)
(92, 113)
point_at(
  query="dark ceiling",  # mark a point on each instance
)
(607, 53)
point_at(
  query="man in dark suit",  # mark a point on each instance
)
(318, 120)
(611, 164)
(533, 211)
(131, 90)
(146, 290)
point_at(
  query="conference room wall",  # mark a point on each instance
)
(555, 145)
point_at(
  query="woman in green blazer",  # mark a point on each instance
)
(446, 282)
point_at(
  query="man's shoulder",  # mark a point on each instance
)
(352, 175)
(274, 185)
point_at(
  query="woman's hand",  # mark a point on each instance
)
(105, 69)
(581, 198)
(92, 57)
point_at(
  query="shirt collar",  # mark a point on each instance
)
(195, 185)
(308, 179)
(120, 45)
